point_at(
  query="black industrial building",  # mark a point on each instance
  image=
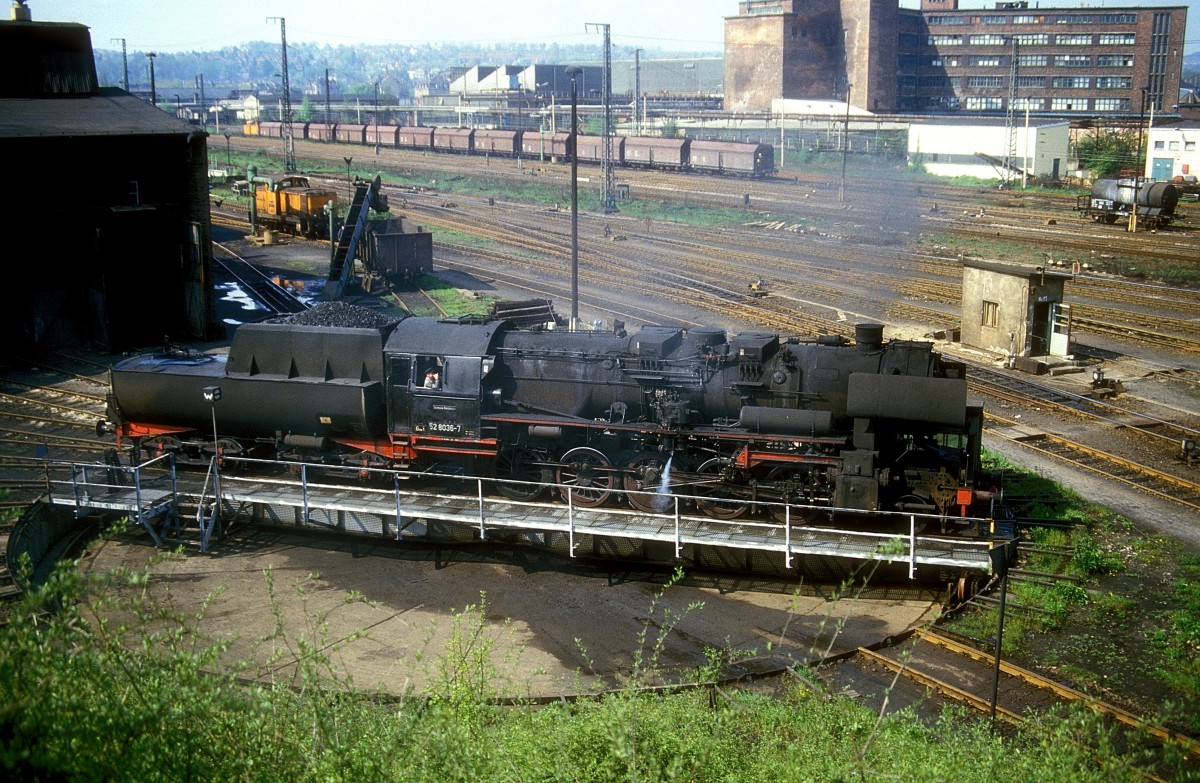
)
(105, 217)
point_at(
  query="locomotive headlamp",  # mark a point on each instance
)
(212, 393)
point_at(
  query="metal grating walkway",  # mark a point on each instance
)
(394, 510)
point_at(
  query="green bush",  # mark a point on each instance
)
(117, 685)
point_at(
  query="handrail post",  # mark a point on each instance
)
(482, 527)
(137, 494)
(787, 535)
(304, 491)
(678, 536)
(571, 521)
(396, 489)
(912, 545)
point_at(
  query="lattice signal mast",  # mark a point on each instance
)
(289, 143)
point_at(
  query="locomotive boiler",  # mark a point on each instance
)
(733, 424)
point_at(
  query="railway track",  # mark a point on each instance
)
(264, 290)
(1113, 467)
(898, 311)
(955, 672)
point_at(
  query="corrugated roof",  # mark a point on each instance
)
(113, 112)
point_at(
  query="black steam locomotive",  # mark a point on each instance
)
(733, 423)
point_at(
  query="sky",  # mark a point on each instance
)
(202, 25)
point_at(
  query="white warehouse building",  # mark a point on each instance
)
(1172, 150)
(977, 146)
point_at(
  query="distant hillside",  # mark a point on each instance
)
(352, 69)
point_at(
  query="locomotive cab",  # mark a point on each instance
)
(437, 373)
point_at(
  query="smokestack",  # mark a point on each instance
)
(20, 12)
(868, 337)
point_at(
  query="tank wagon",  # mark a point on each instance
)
(1114, 199)
(730, 422)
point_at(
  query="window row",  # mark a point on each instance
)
(991, 103)
(1091, 18)
(1031, 61)
(1056, 82)
(1104, 39)
(1033, 103)
(1032, 39)
(1173, 146)
(1032, 19)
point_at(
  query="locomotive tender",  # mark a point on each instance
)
(734, 423)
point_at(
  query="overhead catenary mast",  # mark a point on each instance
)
(1010, 120)
(289, 143)
(637, 89)
(608, 190)
(124, 64)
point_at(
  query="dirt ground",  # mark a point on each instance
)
(557, 626)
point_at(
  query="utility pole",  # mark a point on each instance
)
(637, 89)
(845, 145)
(1139, 169)
(203, 101)
(289, 143)
(124, 64)
(153, 90)
(608, 190)
(574, 72)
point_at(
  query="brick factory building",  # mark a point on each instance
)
(1084, 61)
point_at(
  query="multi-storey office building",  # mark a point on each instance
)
(1084, 61)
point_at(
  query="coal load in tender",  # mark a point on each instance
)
(339, 314)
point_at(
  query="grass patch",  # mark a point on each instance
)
(115, 683)
(452, 301)
(1178, 636)
(1128, 632)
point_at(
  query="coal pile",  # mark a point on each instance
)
(339, 314)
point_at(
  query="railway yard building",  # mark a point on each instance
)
(1015, 310)
(1065, 60)
(959, 146)
(1173, 150)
